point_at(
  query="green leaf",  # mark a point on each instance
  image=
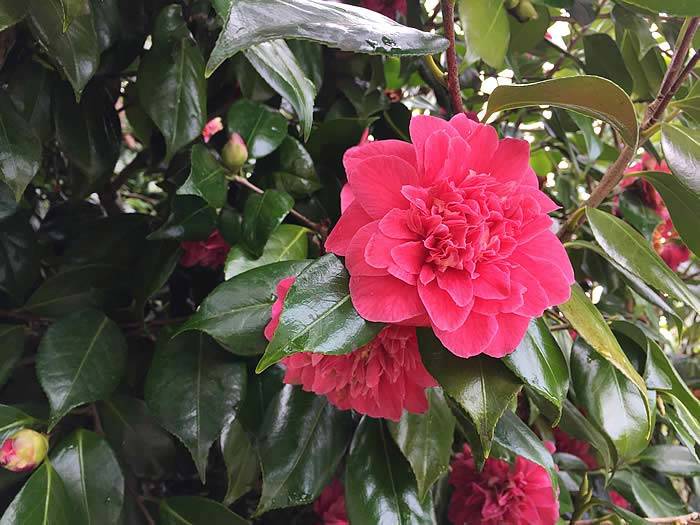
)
(191, 219)
(194, 388)
(594, 146)
(287, 243)
(318, 315)
(193, 510)
(75, 49)
(482, 386)
(8, 204)
(486, 30)
(147, 449)
(540, 364)
(171, 83)
(670, 7)
(81, 359)
(514, 435)
(91, 476)
(682, 203)
(261, 216)
(11, 349)
(20, 149)
(576, 425)
(43, 500)
(671, 460)
(294, 170)
(379, 484)
(682, 153)
(347, 27)
(603, 59)
(426, 440)
(610, 400)
(11, 12)
(653, 499)
(241, 459)
(236, 312)
(263, 129)
(593, 96)
(207, 178)
(525, 36)
(19, 257)
(13, 419)
(622, 243)
(71, 9)
(302, 440)
(590, 324)
(276, 64)
(687, 428)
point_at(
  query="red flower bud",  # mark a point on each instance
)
(23, 450)
(235, 153)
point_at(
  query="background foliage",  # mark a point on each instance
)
(143, 371)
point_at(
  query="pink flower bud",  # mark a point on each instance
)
(23, 450)
(212, 128)
(235, 153)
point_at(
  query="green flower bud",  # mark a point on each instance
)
(235, 153)
(525, 11)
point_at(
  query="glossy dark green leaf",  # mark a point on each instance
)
(261, 391)
(686, 427)
(540, 364)
(81, 359)
(108, 21)
(318, 315)
(302, 440)
(191, 219)
(171, 82)
(346, 27)
(593, 96)
(91, 476)
(19, 257)
(379, 485)
(43, 500)
(20, 149)
(71, 9)
(8, 204)
(287, 243)
(575, 424)
(75, 49)
(627, 20)
(194, 388)
(671, 7)
(89, 133)
(682, 152)
(587, 320)
(276, 64)
(11, 349)
(486, 30)
(622, 243)
(13, 419)
(652, 498)
(482, 386)
(147, 449)
(426, 440)
(603, 59)
(310, 58)
(30, 89)
(514, 435)
(11, 12)
(670, 459)
(241, 459)
(262, 215)
(263, 129)
(594, 146)
(611, 400)
(193, 510)
(525, 36)
(236, 312)
(153, 270)
(295, 173)
(207, 178)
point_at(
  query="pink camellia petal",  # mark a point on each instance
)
(455, 236)
(281, 292)
(350, 222)
(346, 198)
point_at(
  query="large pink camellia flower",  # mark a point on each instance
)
(388, 8)
(452, 232)
(499, 494)
(380, 379)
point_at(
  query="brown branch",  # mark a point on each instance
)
(318, 228)
(448, 23)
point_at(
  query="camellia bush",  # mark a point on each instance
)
(373, 262)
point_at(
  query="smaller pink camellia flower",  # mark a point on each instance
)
(212, 128)
(649, 196)
(570, 445)
(23, 450)
(618, 499)
(380, 379)
(330, 505)
(388, 8)
(667, 244)
(210, 253)
(500, 494)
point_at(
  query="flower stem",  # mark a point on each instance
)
(448, 21)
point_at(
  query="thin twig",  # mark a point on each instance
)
(448, 23)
